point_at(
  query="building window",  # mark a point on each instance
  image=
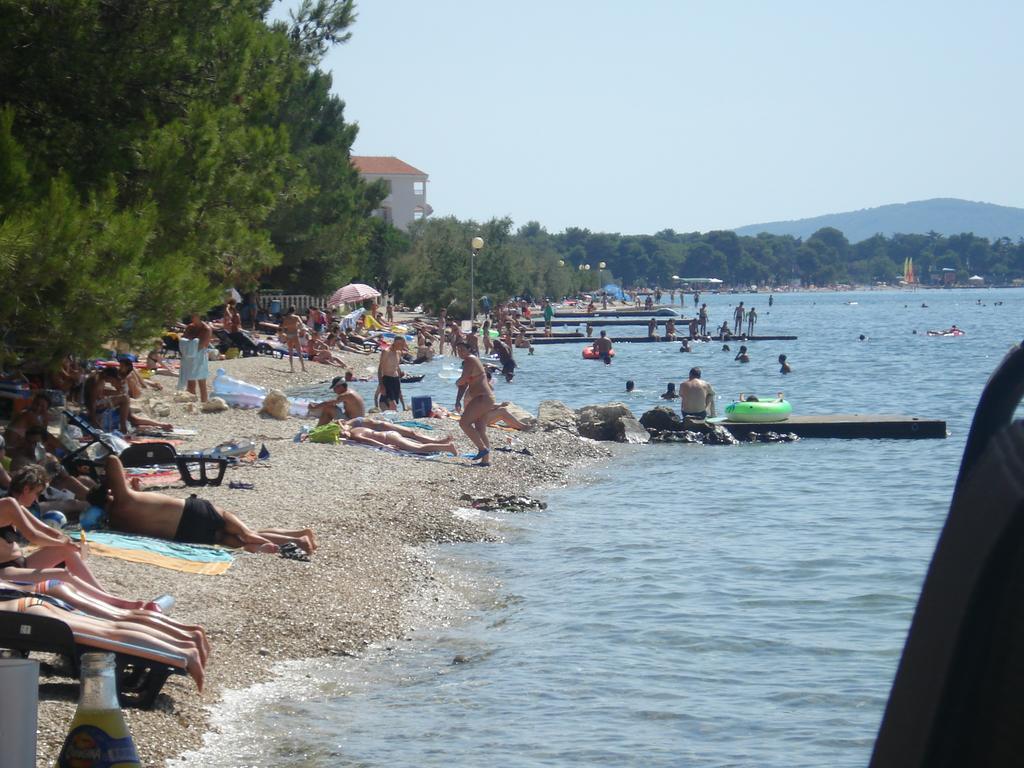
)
(417, 214)
(419, 187)
(385, 213)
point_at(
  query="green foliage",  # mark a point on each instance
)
(153, 153)
(435, 273)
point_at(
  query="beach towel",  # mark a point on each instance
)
(190, 558)
(414, 424)
(195, 363)
(151, 476)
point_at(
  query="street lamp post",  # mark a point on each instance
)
(583, 282)
(600, 283)
(476, 244)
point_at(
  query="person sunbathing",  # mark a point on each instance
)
(320, 351)
(16, 522)
(98, 609)
(191, 521)
(390, 437)
(108, 402)
(121, 631)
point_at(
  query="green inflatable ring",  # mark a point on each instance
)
(753, 411)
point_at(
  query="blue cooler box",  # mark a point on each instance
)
(422, 406)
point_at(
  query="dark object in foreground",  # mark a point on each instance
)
(956, 699)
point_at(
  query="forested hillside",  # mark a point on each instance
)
(947, 216)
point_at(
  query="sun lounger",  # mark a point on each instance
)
(956, 699)
(141, 671)
(159, 454)
(144, 455)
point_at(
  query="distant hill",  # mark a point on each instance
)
(945, 215)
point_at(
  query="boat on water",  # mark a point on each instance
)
(954, 331)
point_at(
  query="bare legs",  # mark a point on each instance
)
(501, 413)
(84, 588)
(191, 387)
(269, 540)
(294, 346)
(129, 632)
(474, 422)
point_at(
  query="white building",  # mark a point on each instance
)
(407, 198)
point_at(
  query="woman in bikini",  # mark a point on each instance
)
(478, 402)
(389, 438)
(55, 547)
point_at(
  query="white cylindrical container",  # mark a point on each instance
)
(19, 706)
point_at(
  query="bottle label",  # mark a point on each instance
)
(90, 747)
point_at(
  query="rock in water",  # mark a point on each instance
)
(629, 430)
(554, 414)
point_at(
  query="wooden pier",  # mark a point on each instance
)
(567, 339)
(845, 426)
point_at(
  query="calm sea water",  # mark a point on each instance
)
(681, 605)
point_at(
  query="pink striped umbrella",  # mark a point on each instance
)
(353, 293)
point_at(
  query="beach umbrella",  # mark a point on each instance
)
(352, 293)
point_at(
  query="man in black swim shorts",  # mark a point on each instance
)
(192, 520)
(200, 522)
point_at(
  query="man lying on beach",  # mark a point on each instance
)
(347, 403)
(190, 521)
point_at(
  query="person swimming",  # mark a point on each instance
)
(630, 386)
(670, 392)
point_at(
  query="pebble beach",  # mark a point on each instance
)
(374, 514)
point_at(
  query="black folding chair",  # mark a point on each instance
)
(958, 696)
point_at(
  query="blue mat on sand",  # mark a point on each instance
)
(195, 552)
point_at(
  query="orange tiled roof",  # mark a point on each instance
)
(384, 165)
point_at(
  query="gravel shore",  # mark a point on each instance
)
(372, 513)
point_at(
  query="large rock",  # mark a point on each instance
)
(601, 422)
(214, 405)
(554, 414)
(527, 418)
(662, 419)
(629, 430)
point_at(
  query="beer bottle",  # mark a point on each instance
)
(99, 736)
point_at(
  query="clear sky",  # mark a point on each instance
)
(650, 115)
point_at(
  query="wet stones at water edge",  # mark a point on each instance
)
(772, 437)
(711, 435)
(501, 502)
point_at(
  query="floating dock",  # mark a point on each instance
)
(845, 426)
(662, 312)
(536, 340)
(601, 322)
